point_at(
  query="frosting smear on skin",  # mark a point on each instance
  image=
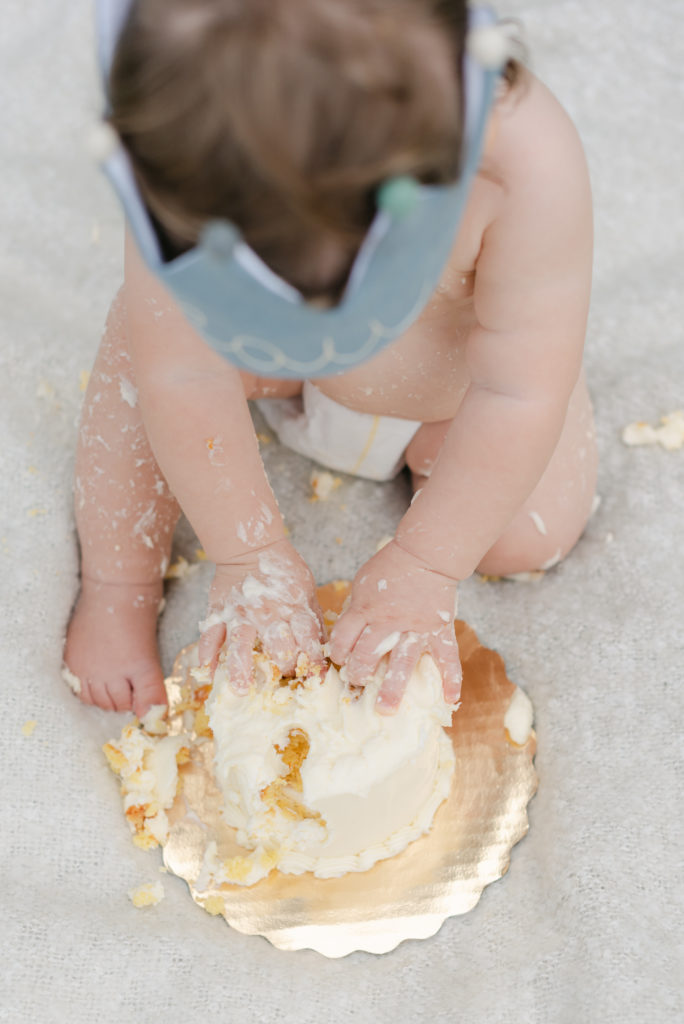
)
(314, 779)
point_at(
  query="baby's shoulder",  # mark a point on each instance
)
(534, 147)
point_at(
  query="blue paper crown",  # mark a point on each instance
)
(260, 322)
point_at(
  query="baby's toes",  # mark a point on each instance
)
(148, 689)
(101, 692)
(118, 691)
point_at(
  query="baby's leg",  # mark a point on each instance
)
(553, 517)
(125, 516)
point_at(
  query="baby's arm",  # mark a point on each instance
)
(531, 298)
(197, 420)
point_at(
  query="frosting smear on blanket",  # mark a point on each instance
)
(314, 779)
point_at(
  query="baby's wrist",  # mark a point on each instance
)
(432, 558)
(246, 555)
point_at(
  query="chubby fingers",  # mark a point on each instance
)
(239, 663)
(279, 644)
(308, 633)
(373, 643)
(210, 645)
(402, 661)
(345, 633)
(444, 649)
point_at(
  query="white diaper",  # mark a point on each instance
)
(339, 438)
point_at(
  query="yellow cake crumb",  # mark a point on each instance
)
(214, 905)
(28, 727)
(323, 484)
(83, 379)
(269, 858)
(280, 794)
(200, 724)
(237, 869)
(144, 841)
(115, 758)
(181, 569)
(201, 692)
(147, 895)
(136, 815)
(200, 554)
(193, 697)
(670, 433)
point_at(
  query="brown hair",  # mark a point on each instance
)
(284, 116)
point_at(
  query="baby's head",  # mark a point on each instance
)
(284, 117)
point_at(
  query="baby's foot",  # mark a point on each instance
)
(111, 645)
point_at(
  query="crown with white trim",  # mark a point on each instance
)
(257, 320)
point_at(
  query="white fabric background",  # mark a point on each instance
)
(587, 925)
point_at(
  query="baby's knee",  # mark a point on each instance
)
(533, 543)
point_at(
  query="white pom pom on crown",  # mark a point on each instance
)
(491, 45)
(101, 142)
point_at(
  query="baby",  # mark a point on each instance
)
(287, 118)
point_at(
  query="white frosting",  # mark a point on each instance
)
(370, 783)
(519, 717)
(147, 766)
(670, 433)
(72, 681)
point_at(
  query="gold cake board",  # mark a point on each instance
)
(409, 896)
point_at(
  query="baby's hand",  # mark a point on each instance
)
(267, 595)
(398, 604)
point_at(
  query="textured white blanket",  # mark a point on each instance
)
(588, 923)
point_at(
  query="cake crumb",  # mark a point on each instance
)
(323, 484)
(144, 841)
(147, 895)
(83, 379)
(214, 905)
(236, 869)
(181, 569)
(154, 721)
(200, 554)
(383, 542)
(264, 438)
(669, 435)
(518, 718)
(28, 727)
(72, 681)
